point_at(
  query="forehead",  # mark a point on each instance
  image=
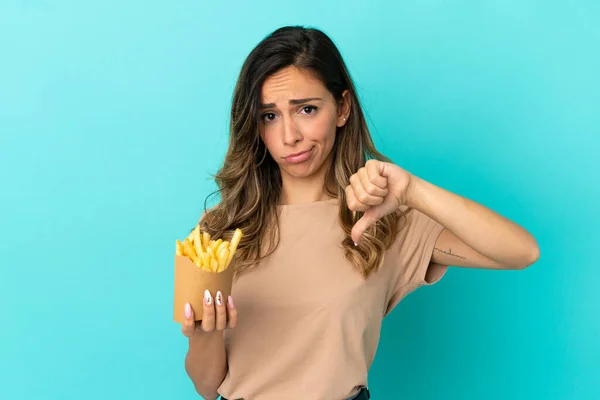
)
(291, 83)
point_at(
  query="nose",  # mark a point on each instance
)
(291, 134)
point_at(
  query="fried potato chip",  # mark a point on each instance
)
(189, 250)
(209, 255)
(222, 256)
(205, 239)
(196, 240)
(235, 240)
(179, 248)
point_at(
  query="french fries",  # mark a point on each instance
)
(209, 255)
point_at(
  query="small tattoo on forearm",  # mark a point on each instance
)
(449, 252)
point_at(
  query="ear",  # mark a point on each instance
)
(344, 106)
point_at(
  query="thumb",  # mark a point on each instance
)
(188, 312)
(361, 226)
(189, 324)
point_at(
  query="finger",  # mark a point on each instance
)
(353, 203)
(189, 325)
(208, 313)
(362, 195)
(373, 184)
(221, 319)
(361, 226)
(374, 172)
(231, 313)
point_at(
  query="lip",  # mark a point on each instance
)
(298, 157)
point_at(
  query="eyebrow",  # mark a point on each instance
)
(292, 102)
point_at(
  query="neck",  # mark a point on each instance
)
(303, 190)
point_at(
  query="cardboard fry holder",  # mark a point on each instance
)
(191, 282)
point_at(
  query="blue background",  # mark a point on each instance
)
(113, 115)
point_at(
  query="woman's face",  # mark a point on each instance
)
(298, 121)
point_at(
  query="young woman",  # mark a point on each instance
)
(335, 234)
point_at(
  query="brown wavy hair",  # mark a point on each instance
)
(249, 180)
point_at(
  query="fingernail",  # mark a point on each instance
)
(188, 310)
(207, 297)
(219, 298)
(230, 301)
(356, 244)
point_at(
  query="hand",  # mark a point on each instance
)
(216, 315)
(377, 189)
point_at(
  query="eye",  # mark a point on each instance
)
(268, 117)
(309, 109)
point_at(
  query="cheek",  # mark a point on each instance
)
(270, 143)
(322, 130)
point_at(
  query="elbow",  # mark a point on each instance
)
(529, 257)
(535, 254)
(208, 390)
(206, 387)
(208, 395)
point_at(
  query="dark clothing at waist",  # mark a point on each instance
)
(363, 394)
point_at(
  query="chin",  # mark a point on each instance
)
(302, 172)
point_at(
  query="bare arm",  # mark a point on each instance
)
(206, 359)
(206, 362)
(474, 236)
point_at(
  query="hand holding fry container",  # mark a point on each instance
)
(200, 264)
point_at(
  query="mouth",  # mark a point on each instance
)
(298, 157)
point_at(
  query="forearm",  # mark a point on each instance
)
(206, 363)
(479, 227)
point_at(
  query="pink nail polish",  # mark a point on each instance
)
(230, 301)
(207, 297)
(219, 298)
(188, 310)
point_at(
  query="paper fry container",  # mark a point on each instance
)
(191, 282)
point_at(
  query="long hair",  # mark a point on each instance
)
(249, 180)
